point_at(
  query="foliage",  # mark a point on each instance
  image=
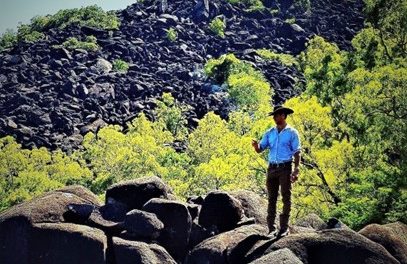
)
(302, 5)
(247, 87)
(172, 34)
(173, 115)
(27, 173)
(390, 19)
(290, 20)
(120, 66)
(323, 66)
(251, 4)
(285, 59)
(217, 26)
(7, 40)
(92, 16)
(89, 44)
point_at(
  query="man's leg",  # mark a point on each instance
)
(272, 184)
(285, 183)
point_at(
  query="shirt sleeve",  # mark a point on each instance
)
(295, 142)
(264, 142)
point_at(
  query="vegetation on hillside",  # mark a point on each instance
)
(93, 16)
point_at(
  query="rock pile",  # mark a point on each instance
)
(142, 222)
(52, 96)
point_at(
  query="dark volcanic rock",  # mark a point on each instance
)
(142, 224)
(129, 252)
(220, 211)
(177, 225)
(253, 205)
(135, 193)
(347, 246)
(214, 250)
(392, 236)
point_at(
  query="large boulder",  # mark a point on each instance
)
(220, 211)
(392, 236)
(49, 207)
(135, 193)
(312, 221)
(319, 247)
(66, 243)
(83, 193)
(49, 243)
(177, 225)
(216, 249)
(130, 252)
(144, 225)
(16, 223)
(253, 205)
(283, 256)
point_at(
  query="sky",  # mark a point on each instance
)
(14, 11)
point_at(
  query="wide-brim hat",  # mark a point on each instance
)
(281, 109)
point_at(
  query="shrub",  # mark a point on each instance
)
(285, 59)
(217, 26)
(172, 34)
(93, 16)
(303, 5)
(8, 39)
(290, 20)
(89, 44)
(120, 66)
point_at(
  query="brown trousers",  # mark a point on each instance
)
(278, 177)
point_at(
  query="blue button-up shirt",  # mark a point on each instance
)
(282, 145)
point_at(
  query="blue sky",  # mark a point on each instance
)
(14, 11)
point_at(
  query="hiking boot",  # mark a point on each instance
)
(272, 233)
(283, 232)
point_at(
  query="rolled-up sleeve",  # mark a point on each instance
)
(295, 142)
(264, 142)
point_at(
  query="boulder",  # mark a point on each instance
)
(83, 193)
(135, 193)
(177, 225)
(215, 249)
(66, 243)
(220, 211)
(283, 256)
(142, 224)
(23, 243)
(130, 252)
(334, 246)
(392, 236)
(253, 205)
(49, 207)
(312, 221)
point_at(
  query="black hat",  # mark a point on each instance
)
(281, 109)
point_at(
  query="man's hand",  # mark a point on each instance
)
(255, 144)
(294, 175)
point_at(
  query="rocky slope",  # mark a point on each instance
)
(142, 222)
(52, 97)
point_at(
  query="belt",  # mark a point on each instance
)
(280, 165)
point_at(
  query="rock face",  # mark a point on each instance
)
(391, 236)
(52, 96)
(70, 225)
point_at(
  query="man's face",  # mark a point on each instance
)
(279, 118)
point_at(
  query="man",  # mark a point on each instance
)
(284, 143)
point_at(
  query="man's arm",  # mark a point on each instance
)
(262, 145)
(296, 171)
